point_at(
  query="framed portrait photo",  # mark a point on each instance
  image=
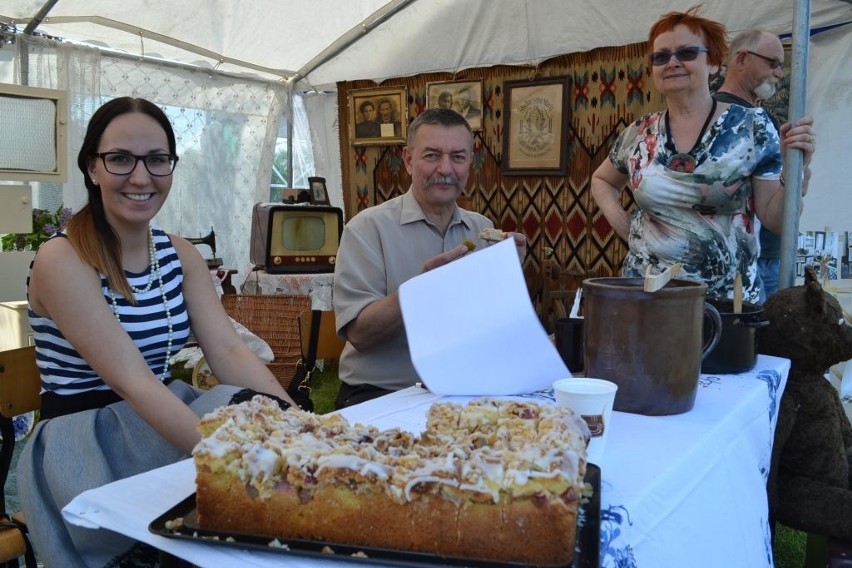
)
(378, 116)
(535, 127)
(319, 192)
(464, 97)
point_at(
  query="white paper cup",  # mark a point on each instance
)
(592, 399)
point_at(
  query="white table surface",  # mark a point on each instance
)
(683, 490)
(319, 286)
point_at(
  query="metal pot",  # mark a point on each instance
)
(736, 351)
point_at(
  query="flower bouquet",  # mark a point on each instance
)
(45, 224)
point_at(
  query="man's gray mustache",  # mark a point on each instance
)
(442, 180)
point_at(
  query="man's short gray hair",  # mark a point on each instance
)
(746, 40)
(436, 116)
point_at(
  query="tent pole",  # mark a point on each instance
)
(31, 26)
(39, 17)
(793, 162)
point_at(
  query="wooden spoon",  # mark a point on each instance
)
(738, 293)
(654, 282)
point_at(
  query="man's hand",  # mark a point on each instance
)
(800, 136)
(520, 245)
(444, 258)
(461, 250)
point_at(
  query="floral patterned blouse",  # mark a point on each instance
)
(702, 219)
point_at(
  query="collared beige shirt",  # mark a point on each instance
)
(382, 247)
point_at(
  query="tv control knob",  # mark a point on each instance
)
(332, 259)
(276, 260)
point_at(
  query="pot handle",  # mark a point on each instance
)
(712, 314)
(754, 324)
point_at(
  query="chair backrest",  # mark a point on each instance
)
(273, 318)
(20, 382)
(20, 386)
(329, 345)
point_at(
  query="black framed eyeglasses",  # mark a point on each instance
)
(658, 58)
(123, 164)
(773, 63)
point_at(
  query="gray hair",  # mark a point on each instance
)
(436, 116)
(746, 40)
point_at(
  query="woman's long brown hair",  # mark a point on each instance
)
(89, 231)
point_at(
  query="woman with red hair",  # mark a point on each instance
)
(699, 171)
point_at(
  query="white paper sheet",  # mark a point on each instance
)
(472, 329)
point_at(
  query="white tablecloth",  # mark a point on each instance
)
(319, 286)
(684, 490)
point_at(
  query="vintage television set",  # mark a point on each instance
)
(293, 238)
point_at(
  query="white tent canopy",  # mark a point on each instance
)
(322, 42)
(309, 46)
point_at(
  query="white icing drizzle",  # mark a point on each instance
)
(488, 447)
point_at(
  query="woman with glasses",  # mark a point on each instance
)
(111, 300)
(699, 170)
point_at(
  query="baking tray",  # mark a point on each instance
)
(586, 554)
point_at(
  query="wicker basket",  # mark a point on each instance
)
(275, 319)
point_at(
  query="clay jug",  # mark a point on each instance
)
(649, 343)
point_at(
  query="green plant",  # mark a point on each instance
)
(45, 225)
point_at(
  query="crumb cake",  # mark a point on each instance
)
(493, 480)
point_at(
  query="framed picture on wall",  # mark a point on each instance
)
(535, 127)
(319, 192)
(465, 97)
(378, 116)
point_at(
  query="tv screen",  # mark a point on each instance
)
(303, 233)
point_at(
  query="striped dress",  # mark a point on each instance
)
(74, 452)
(65, 372)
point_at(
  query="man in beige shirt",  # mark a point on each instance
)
(385, 245)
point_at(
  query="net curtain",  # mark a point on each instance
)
(225, 128)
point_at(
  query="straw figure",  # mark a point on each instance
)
(810, 488)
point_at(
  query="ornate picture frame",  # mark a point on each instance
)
(378, 116)
(465, 97)
(535, 126)
(319, 192)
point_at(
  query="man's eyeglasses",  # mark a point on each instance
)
(658, 58)
(773, 63)
(122, 163)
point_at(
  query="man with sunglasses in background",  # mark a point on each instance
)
(754, 70)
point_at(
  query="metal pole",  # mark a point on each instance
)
(793, 162)
(29, 30)
(40, 16)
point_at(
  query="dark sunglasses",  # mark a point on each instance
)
(658, 58)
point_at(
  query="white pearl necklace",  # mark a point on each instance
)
(152, 257)
(155, 269)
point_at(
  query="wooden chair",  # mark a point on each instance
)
(20, 384)
(327, 349)
(329, 345)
